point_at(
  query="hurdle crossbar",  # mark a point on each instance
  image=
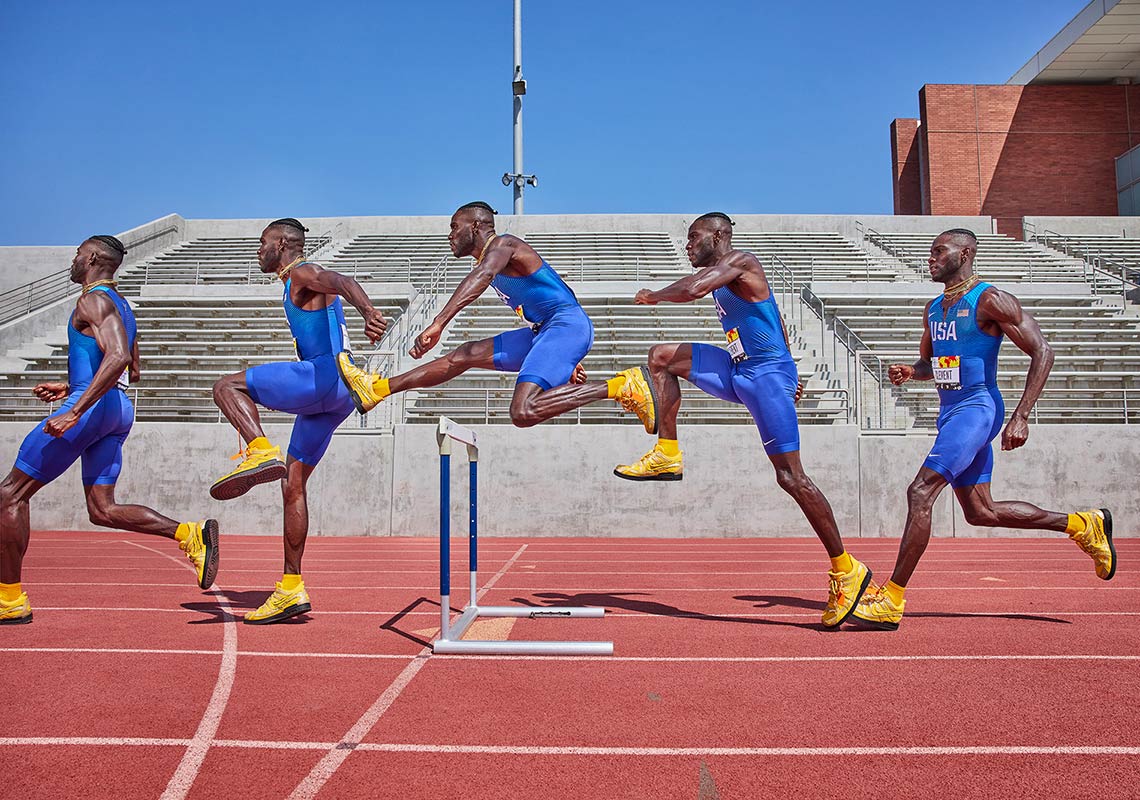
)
(451, 641)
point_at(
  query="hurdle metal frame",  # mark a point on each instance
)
(450, 641)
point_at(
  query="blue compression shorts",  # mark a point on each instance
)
(548, 357)
(962, 453)
(310, 389)
(98, 438)
(766, 389)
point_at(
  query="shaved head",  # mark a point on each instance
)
(477, 211)
(110, 250)
(963, 237)
(716, 221)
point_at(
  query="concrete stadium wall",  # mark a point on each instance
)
(1098, 226)
(676, 225)
(555, 480)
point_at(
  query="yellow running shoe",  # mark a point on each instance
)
(1096, 540)
(358, 382)
(280, 606)
(258, 466)
(653, 466)
(201, 547)
(639, 396)
(843, 592)
(18, 612)
(876, 610)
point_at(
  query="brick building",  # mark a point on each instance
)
(1045, 143)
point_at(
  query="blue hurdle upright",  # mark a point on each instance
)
(450, 639)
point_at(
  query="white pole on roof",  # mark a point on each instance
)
(518, 88)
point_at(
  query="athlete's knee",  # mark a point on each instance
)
(793, 481)
(101, 513)
(921, 492)
(660, 355)
(464, 356)
(227, 384)
(523, 415)
(979, 515)
(11, 494)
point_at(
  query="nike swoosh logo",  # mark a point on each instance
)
(768, 442)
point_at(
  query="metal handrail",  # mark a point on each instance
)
(1094, 262)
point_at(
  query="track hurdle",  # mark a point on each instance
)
(450, 639)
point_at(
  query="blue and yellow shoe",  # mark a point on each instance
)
(201, 547)
(1096, 540)
(844, 590)
(17, 612)
(261, 463)
(876, 610)
(360, 383)
(280, 606)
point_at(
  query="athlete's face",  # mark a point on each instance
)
(269, 253)
(462, 235)
(701, 247)
(946, 257)
(84, 258)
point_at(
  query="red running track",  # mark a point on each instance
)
(1013, 675)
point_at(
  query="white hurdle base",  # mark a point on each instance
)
(451, 641)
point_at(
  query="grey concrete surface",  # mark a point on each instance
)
(556, 480)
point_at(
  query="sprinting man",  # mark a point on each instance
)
(309, 388)
(962, 332)
(92, 424)
(546, 352)
(756, 370)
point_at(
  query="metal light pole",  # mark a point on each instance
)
(518, 89)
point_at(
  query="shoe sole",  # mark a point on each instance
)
(664, 476)
(24, 620)
(858, 596)
(652, 398)
(237, 485)
(281, 616)
(356, 401)
(210, 539)
(1111, 546)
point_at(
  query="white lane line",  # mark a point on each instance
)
(335, 756)
(539, 750)
(191, 763)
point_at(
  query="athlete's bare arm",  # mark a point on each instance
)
(920, 370)
(495, 260)
(135, 371)
(693, 287)
(96, 314)
(314, 279)
(1002, 309)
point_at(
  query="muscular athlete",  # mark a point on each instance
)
(755, 369)
(546, 351)
(91, 425)
(310, 388)
(963, 331)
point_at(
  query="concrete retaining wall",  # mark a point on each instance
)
(555, 480)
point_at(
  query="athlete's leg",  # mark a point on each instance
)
(667, 363)
(792, 479)
(15, 492)
(469, 355)
(981, 509)
(531, 404)
(295, 494)
(920, 497)
(232, 396)
(104, 511)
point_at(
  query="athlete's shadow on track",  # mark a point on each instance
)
(239, 601)
(627, 601)
(774, 601)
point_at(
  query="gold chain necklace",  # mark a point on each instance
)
(483, 252)
(105, 282)
(284, 271)
(957, 291)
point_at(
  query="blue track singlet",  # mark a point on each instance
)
(757, 369)
(99, 435)
(310, 387)
(965, 374)
(557, 336)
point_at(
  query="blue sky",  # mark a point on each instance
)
(119, 112)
